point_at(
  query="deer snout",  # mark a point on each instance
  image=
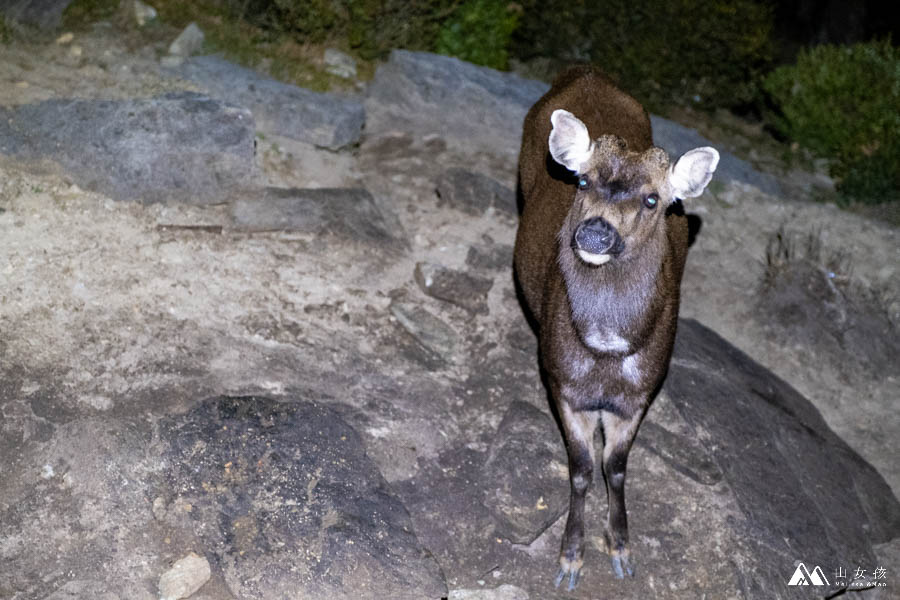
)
(596, 241)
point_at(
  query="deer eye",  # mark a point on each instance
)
(651, 201)
(583, 183)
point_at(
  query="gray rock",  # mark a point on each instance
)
(185, 577)
(286, 498)
(348, 213)
(456, 287)
(434, 335)
(503, 592)
(428, 93)
(525, 477)
(325, 120)
(804, 494)
(490, 258)
(677, 139)
(339, 63)
(44, 14)
(182, 146)
(473, 193)
(188, 42)
(144, 13)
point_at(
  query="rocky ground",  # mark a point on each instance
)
(283, 344)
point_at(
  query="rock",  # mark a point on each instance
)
(467, 104)
(348, 213)
(188, 42)
(184, 578)
(339, 64)
(490, 258)
(144, 13)
(504, 592)
(677, 139)
(325, 120)
(428, 330)
(525, 478)
(286, 498)
(65, 38)
(178, 147)
(456, 287)
(474, 193)
(802, 492)
(46, 14)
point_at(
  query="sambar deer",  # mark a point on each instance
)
(599, 255)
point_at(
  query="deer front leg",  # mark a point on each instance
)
(579, 431)
(618, 434)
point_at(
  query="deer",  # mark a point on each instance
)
(599, 255)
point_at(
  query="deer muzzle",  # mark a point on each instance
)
(596, 241)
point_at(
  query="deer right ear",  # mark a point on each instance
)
(570, 143)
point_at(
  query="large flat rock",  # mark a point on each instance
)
(429, 93)
(178, 147)
(325, 120)
(279, 497)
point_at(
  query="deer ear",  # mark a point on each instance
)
(570, 144)
(692, 171)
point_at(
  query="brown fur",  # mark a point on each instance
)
(632, 298)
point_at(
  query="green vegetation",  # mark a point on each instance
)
(692, 52)
(84, 12)
(842, 102)
(479, 32)
(5, 31)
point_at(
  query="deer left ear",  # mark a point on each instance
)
(692, 171)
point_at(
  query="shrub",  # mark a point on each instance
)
(842, 102)
(372, 27)
(479, 32)
(703, 52)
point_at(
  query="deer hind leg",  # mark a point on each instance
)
(618, 434)
(579, 431)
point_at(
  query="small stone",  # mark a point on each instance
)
(456, 287)
(430, 331)
(474, 193)
(75, 51)
(184, 578)
(143, 13)
(190, 42)
(171, 61)
(339, 64)
(65, 38)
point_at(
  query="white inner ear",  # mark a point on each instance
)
(570, 143)
(692, 171)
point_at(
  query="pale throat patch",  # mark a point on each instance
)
(594, 259)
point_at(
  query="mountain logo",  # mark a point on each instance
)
(802, 576)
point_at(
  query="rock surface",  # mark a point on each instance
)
(350, 214)
(188, 42)
(285, 496)
(474, 193)
(185, 577)
(325, 120)
(180, 146)
(456, 287)
(457, 100)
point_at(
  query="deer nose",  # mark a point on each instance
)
(597, 236)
